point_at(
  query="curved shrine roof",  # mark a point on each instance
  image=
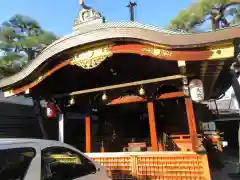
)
(96, 32)
(177, 40)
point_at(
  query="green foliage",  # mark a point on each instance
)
(188, 18)
(236, 16)
(21, 40)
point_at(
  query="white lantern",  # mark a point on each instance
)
(196, 90)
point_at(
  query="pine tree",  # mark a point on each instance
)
(21, 40)
(191, 18)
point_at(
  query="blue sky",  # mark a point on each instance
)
(58, 15)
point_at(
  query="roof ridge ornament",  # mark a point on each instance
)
(87, 15)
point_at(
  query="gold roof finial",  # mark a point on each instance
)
(81, 2)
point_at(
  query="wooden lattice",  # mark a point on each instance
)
(155, 166)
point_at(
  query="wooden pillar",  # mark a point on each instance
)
(61, 127)
(189, 107)
(191, 123)
(152, 126)
(102, 147)
(88, 133)
(40, 116)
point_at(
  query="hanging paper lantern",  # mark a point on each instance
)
(51, 110)
(196, 90)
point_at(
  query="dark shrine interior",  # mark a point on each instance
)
(117, 125)
(127, 121)
(123, 68)
(118, 69)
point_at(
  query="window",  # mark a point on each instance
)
(59, 163)
(15, 162)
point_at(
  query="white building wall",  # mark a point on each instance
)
(228, 102)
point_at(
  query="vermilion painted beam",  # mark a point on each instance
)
(127, 99)
(138, 99)
(41, 78)
(162, 54)
(171, 95)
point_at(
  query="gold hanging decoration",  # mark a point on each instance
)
(141, 91)
(92, 58)
(104, 97)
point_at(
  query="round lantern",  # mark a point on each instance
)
(196, 90)
(51, 110)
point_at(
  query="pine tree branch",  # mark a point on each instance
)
(21, 39)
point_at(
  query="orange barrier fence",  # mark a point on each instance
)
(183, 136)
(154, 165)
(184, 142)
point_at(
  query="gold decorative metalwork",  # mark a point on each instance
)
(221, 53)
(92, 58)
(157, 51)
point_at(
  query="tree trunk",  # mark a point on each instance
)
(40, 117)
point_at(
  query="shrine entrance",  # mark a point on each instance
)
(122, 124)
(120, 89)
